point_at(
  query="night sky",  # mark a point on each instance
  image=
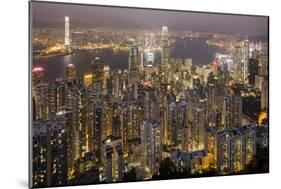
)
(52, 15)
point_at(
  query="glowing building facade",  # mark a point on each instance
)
(113, 159)
(151, 145)
(165, 46)
(70, 72)
(66, 32)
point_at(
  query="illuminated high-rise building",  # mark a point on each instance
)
(48, 97)
(87, 79)
(107, 120)
(97, 129)
(245, 60)
(264, 95)
(163, 113)
(37, 75)
(113, 159)
(88, 121)
(61, 91)
(230, 150)
(62, 121)
(106, 79)
(165, 46)
(39, 105)
(212, 147)
(84, 126)
(224, 152)
(70, 72)
(74, 102)
(127, 123)
(236, 111)
(134, 56)
(177, 122)
(52, 96)
(182, 122)
(134, 63)
(197, 127)
(253, 70)
(237, 59)
(263, 60)
(124, 114)
(237, 151)
(149, 59)
(250, 144)
(97, 72)
(41, 99)
(39, 153)
(172, 123)
(148, 54)
(230, 107)
(59, 150)
(151, 143)
(66, 33)
(258, 82)
(212, 104)
(116, 88)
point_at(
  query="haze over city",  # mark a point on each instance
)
(45, 14)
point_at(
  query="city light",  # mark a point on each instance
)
(37, 69)
(114, 104)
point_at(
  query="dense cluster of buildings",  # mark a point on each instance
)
(99, 126)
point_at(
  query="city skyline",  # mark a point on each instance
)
(121, 105)
(84, 15)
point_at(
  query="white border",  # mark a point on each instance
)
(14, 91)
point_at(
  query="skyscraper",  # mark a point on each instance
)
(87, 79)
(151, 145)
(197, 127)
(97, 129)
(238, 63)
(62, 122)
(264, 95)
(245, 60)
(133, 63)
(253, 70)
(113, 159)
(41, 99)
(71, 72)
(149, 59)
(97, 73)
(37, 75)
(39, 152)
(165, 46)
(66, 33)
(37, 82)
(230, 107)
(148, 53)
(59, 151)
(223, 152)
(134, 56)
